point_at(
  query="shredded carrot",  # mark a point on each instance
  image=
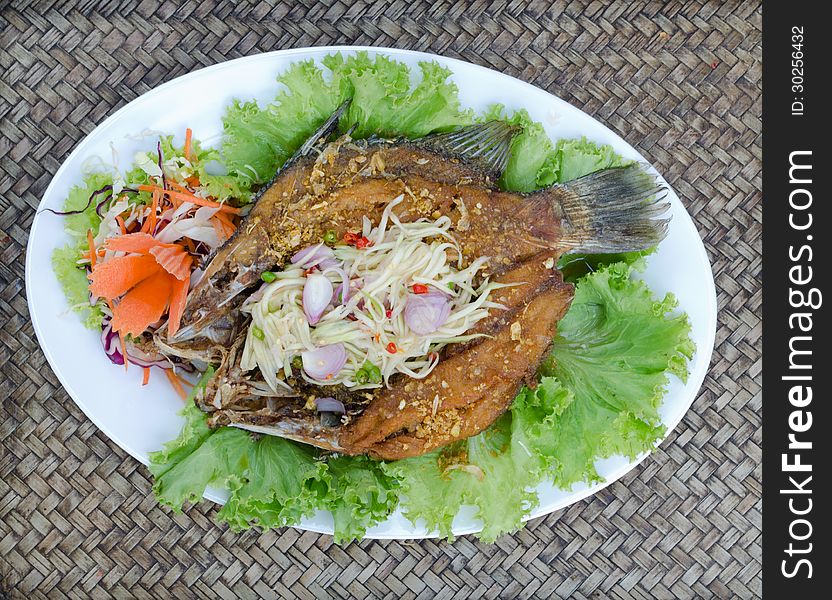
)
(219, 229)
(187, 151)
(139, 243)
(184, 380)
(100, 252)
(121, 224)
(91, 242)
(227, 223)
(181, 188)
(145, 225)
(183, 197)
(178, 298)
(151, 277)
(145, 375)
(116, 276)
(177, 385)
(193, 181)
(153, 208)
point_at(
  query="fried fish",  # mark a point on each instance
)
(337, 186)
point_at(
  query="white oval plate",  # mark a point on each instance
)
(141, 419)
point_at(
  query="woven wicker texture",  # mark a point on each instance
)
(681, 81)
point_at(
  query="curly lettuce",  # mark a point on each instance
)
(258, 140)
(272, 482)
(358, 492)
(73, 279)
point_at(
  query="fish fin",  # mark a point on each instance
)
(610, 211)
(488, 144)
(295, 430)
(321, 133)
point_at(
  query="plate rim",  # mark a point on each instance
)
(696, 380)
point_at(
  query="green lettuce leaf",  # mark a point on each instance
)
(258, 140)
(614, 350)
(198, 458)
(578, 157)
(73, 279)
(532, 164)
(272, 490)
(575, 266)
(75, 285)
(272, 482)
(267, 477)
(77, 225)
(206, 164)
(358, 492)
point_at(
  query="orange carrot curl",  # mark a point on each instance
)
(186, 197)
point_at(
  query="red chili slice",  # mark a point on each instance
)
(351, 238)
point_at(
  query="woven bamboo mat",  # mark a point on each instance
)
(681, 81)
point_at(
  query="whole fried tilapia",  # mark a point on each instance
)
(335, 186)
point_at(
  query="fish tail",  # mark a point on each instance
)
(610, 211)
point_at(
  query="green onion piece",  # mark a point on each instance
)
(268, 276)
(330, 237)
(361, 376)
(451, 285)
(372, 371)
(257, 332)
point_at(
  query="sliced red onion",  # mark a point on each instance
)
(162, 364)
(110, 341)
(325, 362)
(425, 313)
(161, 168)
(317, 294)
(337, 297)
(98, 207)
(112, 348)
(330, 405)
(319, 255)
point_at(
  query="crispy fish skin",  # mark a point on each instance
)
(452, 175)
(513, 358)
